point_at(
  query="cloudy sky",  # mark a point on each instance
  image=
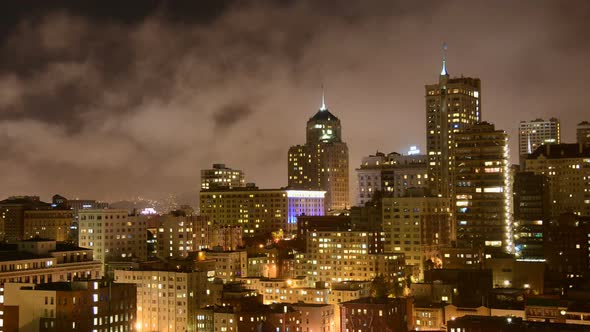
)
(108, 101)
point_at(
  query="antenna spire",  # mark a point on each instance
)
(323, 107)
(444, 61)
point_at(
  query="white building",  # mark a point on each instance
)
(112, 234)
(167, 299)
(392, 174)
(532, 134)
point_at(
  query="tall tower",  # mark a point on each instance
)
(452, 105)
(482, 188)
(322, 162)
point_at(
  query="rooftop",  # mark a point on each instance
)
(324, 115)
(7, 256)
(561, 151)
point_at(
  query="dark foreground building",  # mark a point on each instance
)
(376, 315)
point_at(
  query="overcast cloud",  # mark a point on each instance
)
(94, 106)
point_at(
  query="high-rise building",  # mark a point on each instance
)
(452, 105)
(531, 196)
(391, 174)
(482, 191)
(583, 133)
(113, 234)
(532, 134)
(567, 167)
(417, 227)
(260, 211)
(322, 162)
(220, 177)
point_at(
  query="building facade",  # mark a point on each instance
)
(567, 167)
(391, 174)
(322, 162)
(532, 134)
(45, 261)
(167, 299)
(336, 256)
(417, 227)
(220, 177)
(583, 133)
(12, 215)
(482, 188)
(73, 306)
(375, 314)
(260, 211)
(113, 234)
(48, 224)
(452, 105)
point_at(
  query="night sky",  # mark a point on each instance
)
(108, 101)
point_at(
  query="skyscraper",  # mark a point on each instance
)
(532, 134)
(583, 133)
(322, 162)
(481, 187)
(452, 105)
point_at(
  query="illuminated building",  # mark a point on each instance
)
(43, 261)
(322, 163)
(73, 306)
(583, 133)
(260, 211)
(462, 258)
(179, 234)
(391, 174)
(38, 261)
(452, 105)
(113, 234)
(220, 177)
(48, 224)
(229, 265)
(286, 290)
(12, 215)
(77, 204)
(418, 227)
(335, 256)
(567, 167)
(168, 295)
(532, 134)
(176, 235)
(317, 317)
(483, 198)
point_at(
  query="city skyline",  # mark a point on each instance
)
(232, 90)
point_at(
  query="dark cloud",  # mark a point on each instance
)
(231, 114)
(111, 101)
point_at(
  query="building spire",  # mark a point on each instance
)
(323, 107)
(444, 61)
